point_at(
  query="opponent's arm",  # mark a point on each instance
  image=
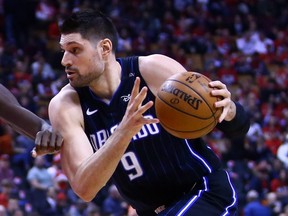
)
(20, 119)
(27, 123)
(88, 172)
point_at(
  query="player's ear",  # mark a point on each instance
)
(106, 46)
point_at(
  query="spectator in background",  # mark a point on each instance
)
(260, 180)
(273, 139)
(43, 75)
(227, 74)
(263, 44)
(93, 210)
(41, 68)
(55, 168)
(246, 44)
(279, 185)
(237, 27)
(6, 188)
(13, 207)
(44, 13)
(78, 208)
(255, 130)
(57, 84)
(20, 73)
(50, 206)
(282, 152)
(17, 21)
(285, 211)
(6, 172)
(3, 211)
(62, 203)
(254, 207)
(40, 181)
(114, 205)
(22, 159)
(6, 140)
(273, 203)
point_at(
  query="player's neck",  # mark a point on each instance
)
(106, 85)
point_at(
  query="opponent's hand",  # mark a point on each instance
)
(47, 141)
(229, 107)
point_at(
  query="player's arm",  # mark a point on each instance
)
(27, 123)
(86, 171)
(156, 68)
(20, 119)
(234, 120)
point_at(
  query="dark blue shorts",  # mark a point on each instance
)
(214, 196)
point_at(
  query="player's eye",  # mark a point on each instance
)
(75, 50)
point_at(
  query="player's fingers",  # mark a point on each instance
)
(224, 113)
(225, 105)
(140, 97)
(135, 90)
(34, 153)
(52, 141)
(146, 119)
(45, 139)
(220, 89)
(150, 121)
(38, 139)
(222, 93)
(59, 142)
(138, 100)
(145, 107)
(217, 84)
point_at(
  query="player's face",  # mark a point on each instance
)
(82, 59)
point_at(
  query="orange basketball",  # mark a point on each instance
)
(185, 107)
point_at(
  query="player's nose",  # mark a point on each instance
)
(66, 61)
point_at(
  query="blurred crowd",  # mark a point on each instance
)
(243, 43)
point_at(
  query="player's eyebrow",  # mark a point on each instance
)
(69, 43)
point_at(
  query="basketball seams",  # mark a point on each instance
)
(189, 131)
(191, 134)
(202, 118)
(197, 92)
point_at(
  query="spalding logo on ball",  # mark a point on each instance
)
(185, 107)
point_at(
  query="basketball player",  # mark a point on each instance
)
(107, 119)
(28, 124)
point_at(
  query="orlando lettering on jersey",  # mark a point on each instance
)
(99, 138)
(189, 99)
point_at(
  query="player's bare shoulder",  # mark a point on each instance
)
(156, 68)
(64, 94)
(66, 98)
(64, 105)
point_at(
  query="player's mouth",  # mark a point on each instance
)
(70, 74)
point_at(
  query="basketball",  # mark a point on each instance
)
(185, 107)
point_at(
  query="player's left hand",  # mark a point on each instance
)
(229, 107)
(47, 141)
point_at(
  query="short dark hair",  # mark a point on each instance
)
(91, 24)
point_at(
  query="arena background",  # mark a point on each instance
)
(243, 43)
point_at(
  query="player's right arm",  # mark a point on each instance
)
(156, 68)
(86, 171)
